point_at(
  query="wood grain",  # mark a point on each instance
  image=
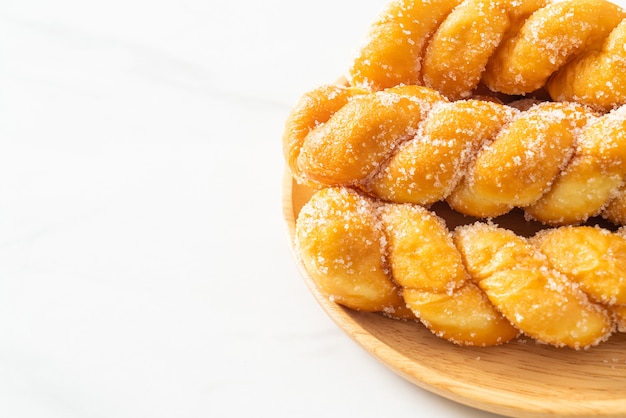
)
(519, 379)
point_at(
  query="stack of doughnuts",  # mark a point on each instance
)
(491, 110)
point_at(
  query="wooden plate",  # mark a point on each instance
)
(521, 378)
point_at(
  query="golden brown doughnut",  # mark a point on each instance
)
(349, 251)
(593, 258)
(541, 301)
(593, 177)
(430, 112)
(572, 48)
(391, 116)
(435, 284)
(559, 161)
(478, 285)
(311, 111)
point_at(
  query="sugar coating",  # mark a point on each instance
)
(562, 162)
(572, 48)
(478, 285)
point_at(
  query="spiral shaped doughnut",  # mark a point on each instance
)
(477, 285)
(559, 161)
(572, 48)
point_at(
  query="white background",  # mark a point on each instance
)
(145, 269)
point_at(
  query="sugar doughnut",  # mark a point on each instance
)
(561, 162)
(477, 285)
(571, 48)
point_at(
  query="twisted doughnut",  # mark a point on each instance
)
(573, 48)
(559, 161)
(478, 285)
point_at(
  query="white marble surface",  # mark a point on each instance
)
(144, 265)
